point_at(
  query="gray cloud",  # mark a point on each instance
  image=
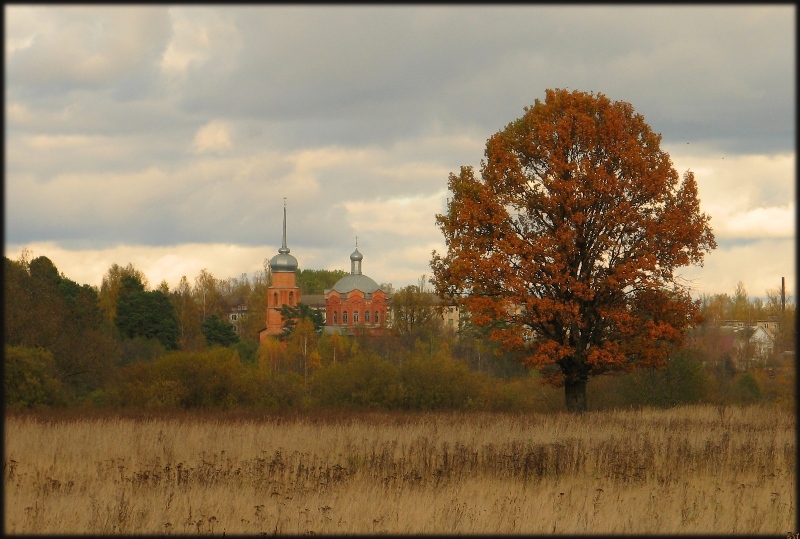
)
(158, 126)
(89, 48)
(384, 73)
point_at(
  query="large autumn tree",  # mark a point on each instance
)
(566, 248)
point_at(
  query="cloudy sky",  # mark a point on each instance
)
(168, 137)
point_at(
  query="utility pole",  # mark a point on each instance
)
(783, 295)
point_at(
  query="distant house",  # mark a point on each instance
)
(770, 325)
(452, 315)
(237, 315)
(752, 345)
(759, 345)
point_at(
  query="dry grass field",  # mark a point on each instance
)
(698, 469)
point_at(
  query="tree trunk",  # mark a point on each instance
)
(575, 393)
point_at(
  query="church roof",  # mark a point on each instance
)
(351, 282)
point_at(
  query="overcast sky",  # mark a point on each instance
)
(168, 137)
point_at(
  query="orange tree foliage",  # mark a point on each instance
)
(565, 249)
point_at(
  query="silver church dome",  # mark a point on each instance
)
(356, 280)
(283, 261)
(351, 282)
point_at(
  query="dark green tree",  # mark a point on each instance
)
(109, 289)
(146, 314)
(82, 303)
(292, 315)
(218, 332)
(44, 309)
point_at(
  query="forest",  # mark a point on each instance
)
(128, 344)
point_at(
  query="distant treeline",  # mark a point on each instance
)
(129, 345)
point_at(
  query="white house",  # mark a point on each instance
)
(754, 350)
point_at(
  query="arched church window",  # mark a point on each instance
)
(335, 317)
(291, 298)
(275, 302)
(344, 317)
(355, 317)
(366, 317)
(376, 318)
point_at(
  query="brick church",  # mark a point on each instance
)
(355, 303)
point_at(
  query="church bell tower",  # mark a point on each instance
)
(284, 289)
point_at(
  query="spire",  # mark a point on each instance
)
(284, 249)
(283, 261)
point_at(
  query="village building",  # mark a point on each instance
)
(237, 315)
(760, 344)
(752, 345)
(748, 344)
(754, 340)
(770, 326)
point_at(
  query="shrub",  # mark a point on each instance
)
(30, 378)
(439, 383)
(748, 389)
(140, 349)
(681, 381)
(366, 381)
(274, 390)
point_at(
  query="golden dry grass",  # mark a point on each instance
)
(698, 469)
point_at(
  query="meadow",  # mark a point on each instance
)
(685, 470)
